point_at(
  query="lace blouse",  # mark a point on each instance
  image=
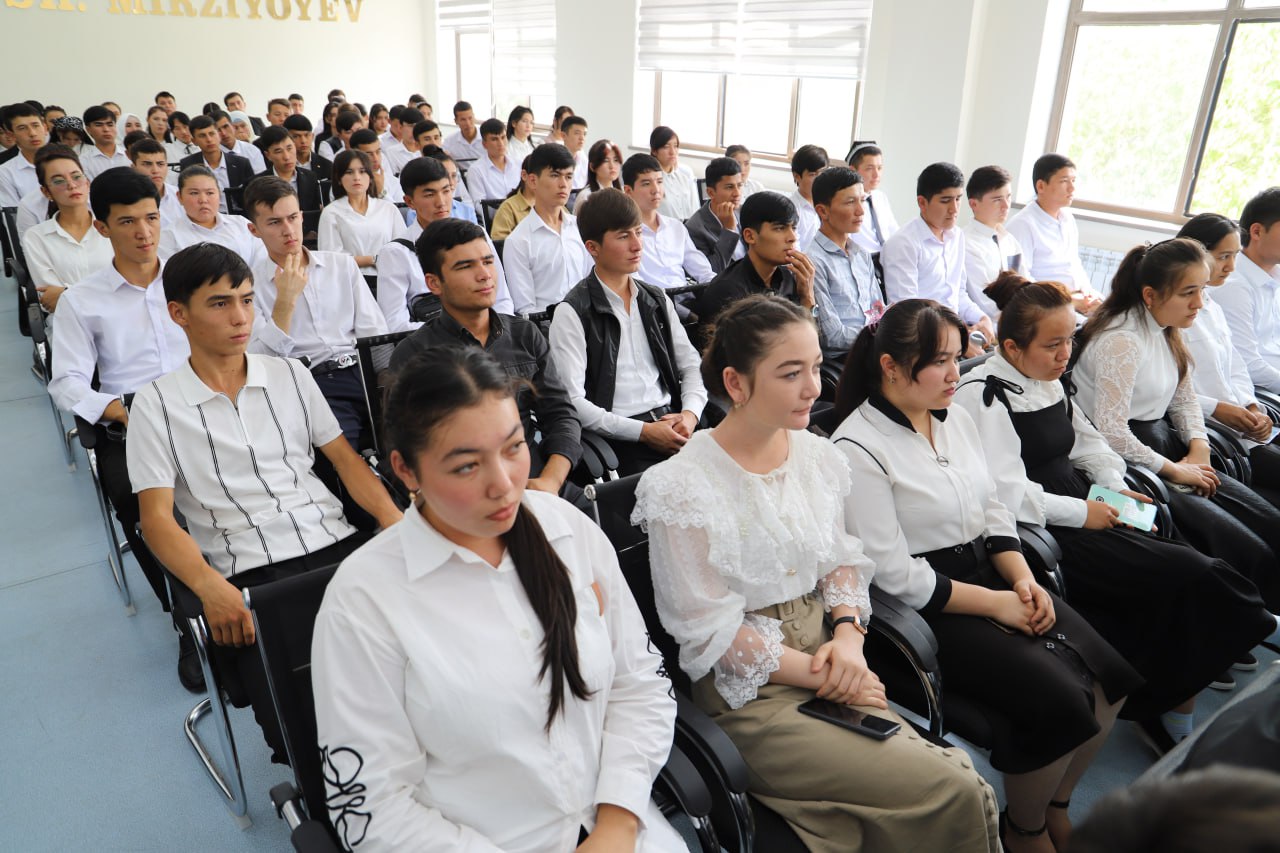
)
(1128, 373)
(725, 542)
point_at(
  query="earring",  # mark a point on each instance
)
(738, 405)
(893, 380)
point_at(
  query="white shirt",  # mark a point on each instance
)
(919, 265)
(342, 229)
(911, 499)
(170, 208)
(581, 169)
(724, 542)
(17, 178)
(462, 150)
(1127, 372)
(670, 257)
(1250, 299)
(638, 385)
(808, 223)
(250, 152)
(445, 761)
(94, 162)
(176, 151)
(519, 150)
(395, 155)
(33, 209)
(257, 502)
(987, 253)
(334, 309)
(222, 176)
(543, 264)
(486, 180)
(1050, 247)
(879, 213)
(54, 257)
(750, 187)
(681, 200)
(228, 230)
(120, 330)
(1003, 448)
(1220, 373)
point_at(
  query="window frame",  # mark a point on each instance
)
(1228, 20)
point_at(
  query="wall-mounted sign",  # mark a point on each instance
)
(252, 10)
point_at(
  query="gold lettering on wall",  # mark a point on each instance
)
(328, 10)
(279, 10)
(303, 7)
(254, 5)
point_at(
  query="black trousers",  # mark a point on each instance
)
(239, 669)
(1265, 462)
(113, 471)
(345, 393)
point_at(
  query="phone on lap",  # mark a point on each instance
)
(847, 717)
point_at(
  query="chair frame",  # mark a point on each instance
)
(88, 437)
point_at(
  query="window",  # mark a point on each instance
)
(768, 74)
(1169, 107)
(498, 54)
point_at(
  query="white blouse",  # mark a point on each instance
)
(54, 257)
(681, 199)
(342, 229)
(1127, 372)
(430, 711)
(912, 498)
(520, 150)
(724, 542)
(1003, 448)
(1220, 373)
(228, 230)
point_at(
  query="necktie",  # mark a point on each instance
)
(875, 222)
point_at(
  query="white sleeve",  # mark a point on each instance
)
(75, 358)
(1236, 299)
(1021, 231)
(40, 263)
(693, 394)
(1238, 373)
(395, 281)
(569, 352)
(328, 237)
(1117, 358)
(368, 319)
(503, 304)
(324, 424)
(901, 265)
(977, 277)
(8, 188)
(517, 256)
(1184, 410)
(696, 265)
(150, 457)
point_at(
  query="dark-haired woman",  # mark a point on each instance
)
(1178, 616)
(750, 556)
(482, 675)
(928, 514)
(681, 187)
(604, 169)
(358, 222)
(555, 134)
(520, 141)
(1134, 381)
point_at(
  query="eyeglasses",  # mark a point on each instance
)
(61, 183)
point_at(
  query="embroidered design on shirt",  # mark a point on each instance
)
(346, 794)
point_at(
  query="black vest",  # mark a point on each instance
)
(602, 332)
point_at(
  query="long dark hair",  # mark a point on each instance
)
(600, 150)
(910, 333)
(1159, 267)
(432, 387)
(516, 114)
(1023, 304)
(342, 163)
(1209, 229)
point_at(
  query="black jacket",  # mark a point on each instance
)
(309, 198)
(239, 170)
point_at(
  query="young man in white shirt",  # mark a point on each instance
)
(258, 513)
(806, 164)
(670, 257)
(165, 101)
(1047, 233)
(545, 255)
(277, 111)
(574, 129)
(150, 158)
(1250, 297)
(845, 287)
(926, 258)
(464, 144)
(297, 104)
(714, 226)
(406, 146)
(310, 305)
(989, 248)
(385, 184)
(200, 222)
(880, 224)
(18, 176)
(105, 152)
(618, 343)
(232, 144)
(229, 170)
(495, 175)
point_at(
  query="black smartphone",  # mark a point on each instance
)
(847, 717)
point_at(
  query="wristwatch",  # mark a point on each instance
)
(855, 621)
(813, 312)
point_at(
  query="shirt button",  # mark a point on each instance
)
(524, 633)
(1062, 636)
(791, 571)
(1049, 646)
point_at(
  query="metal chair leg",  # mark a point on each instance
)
(115, 552)
(230, 784)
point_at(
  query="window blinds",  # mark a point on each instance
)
(524, 50)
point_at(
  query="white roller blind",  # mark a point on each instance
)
(460, 14)
(524, 50)
(678, 35)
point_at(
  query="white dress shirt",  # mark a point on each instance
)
(250, 152)
(670, 258)
(807, 223)
(1127, 372)
(542, 264)
(33, 209)
(240, 470)
(581, 169)
(395, 156)
(228, 230)
(879, 223)
(1250, 299)
(54, 257)
(444, 761)
(462, 150)
(486, 180)
(1050, 247)
(221, 176)
(170, 208)
(118, 329)
(334, 309)
(638, 385)
(1220, 374)
(681, 199)
(342, 229)
(519, 150)
(919, 265)
(177, 151)
(17, 178)
(987, 253)
(750, 187)
(94, 162)
(1003, 448)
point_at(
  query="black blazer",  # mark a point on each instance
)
(239, 170)
(308, 188)
(321, 165)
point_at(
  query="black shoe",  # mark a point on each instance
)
(1247, 663)
(1153, 734)
(189, 672)
(1223, 682)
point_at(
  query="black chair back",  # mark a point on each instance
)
(489, 210)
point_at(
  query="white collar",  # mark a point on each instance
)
(426, 549)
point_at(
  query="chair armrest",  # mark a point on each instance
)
(678, 781)
(1230, 448)
(307, 835)
(1148, 482)
(1043, 556)
(86, 432)
(1269, 401)
(603, 451)
(831, 372)
(906, 629)
(721, 768)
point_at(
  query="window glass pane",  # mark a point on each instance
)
(447, 64)
(475, 83)
(1243, 148)
(1261, 4)
(1130, 106)
(1152, 5)
(757, 112)
(641, 107)
(689, 104)
(826, 114)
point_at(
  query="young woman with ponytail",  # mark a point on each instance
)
(483, 678)
(929, 516)
(1178, 616)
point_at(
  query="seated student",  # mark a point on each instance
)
(1044, 456)
(496, 173)
(278, 110)
(385, 186)
(282, 162)
(259, 514)
(617, 341)
(465, 143)
(554, 135)
(520, 141)
(68, 130)
(1047, 233)
(18, 176)
(406, 146)
(681, 187)
(65, 248)
(806, 164)
(299, 128)
(400, 280)
(390, 135)
(229, 170)
(327, 115)
(670, 257)
(182, 145)
(357, 222)
(742, 156)
(233, 144)
(427, 132)
(773, 262)
(714, 226)
(925, 258)
(158, 126)
(114, 322)
(1249, 298)
(844, 278)
(516, 207)
(105, 152)
(544, 256)
(310, 305)
(419, 103)
(200, 221)
(930, 519)
(345, 123)
(604, 169)
(461, 270)
(575, 737)
(234, 102)
(166, 101)
(151, 159)
(750, 557)
(574, 130)
(989, 248)
(868, 161)
(461, 209)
